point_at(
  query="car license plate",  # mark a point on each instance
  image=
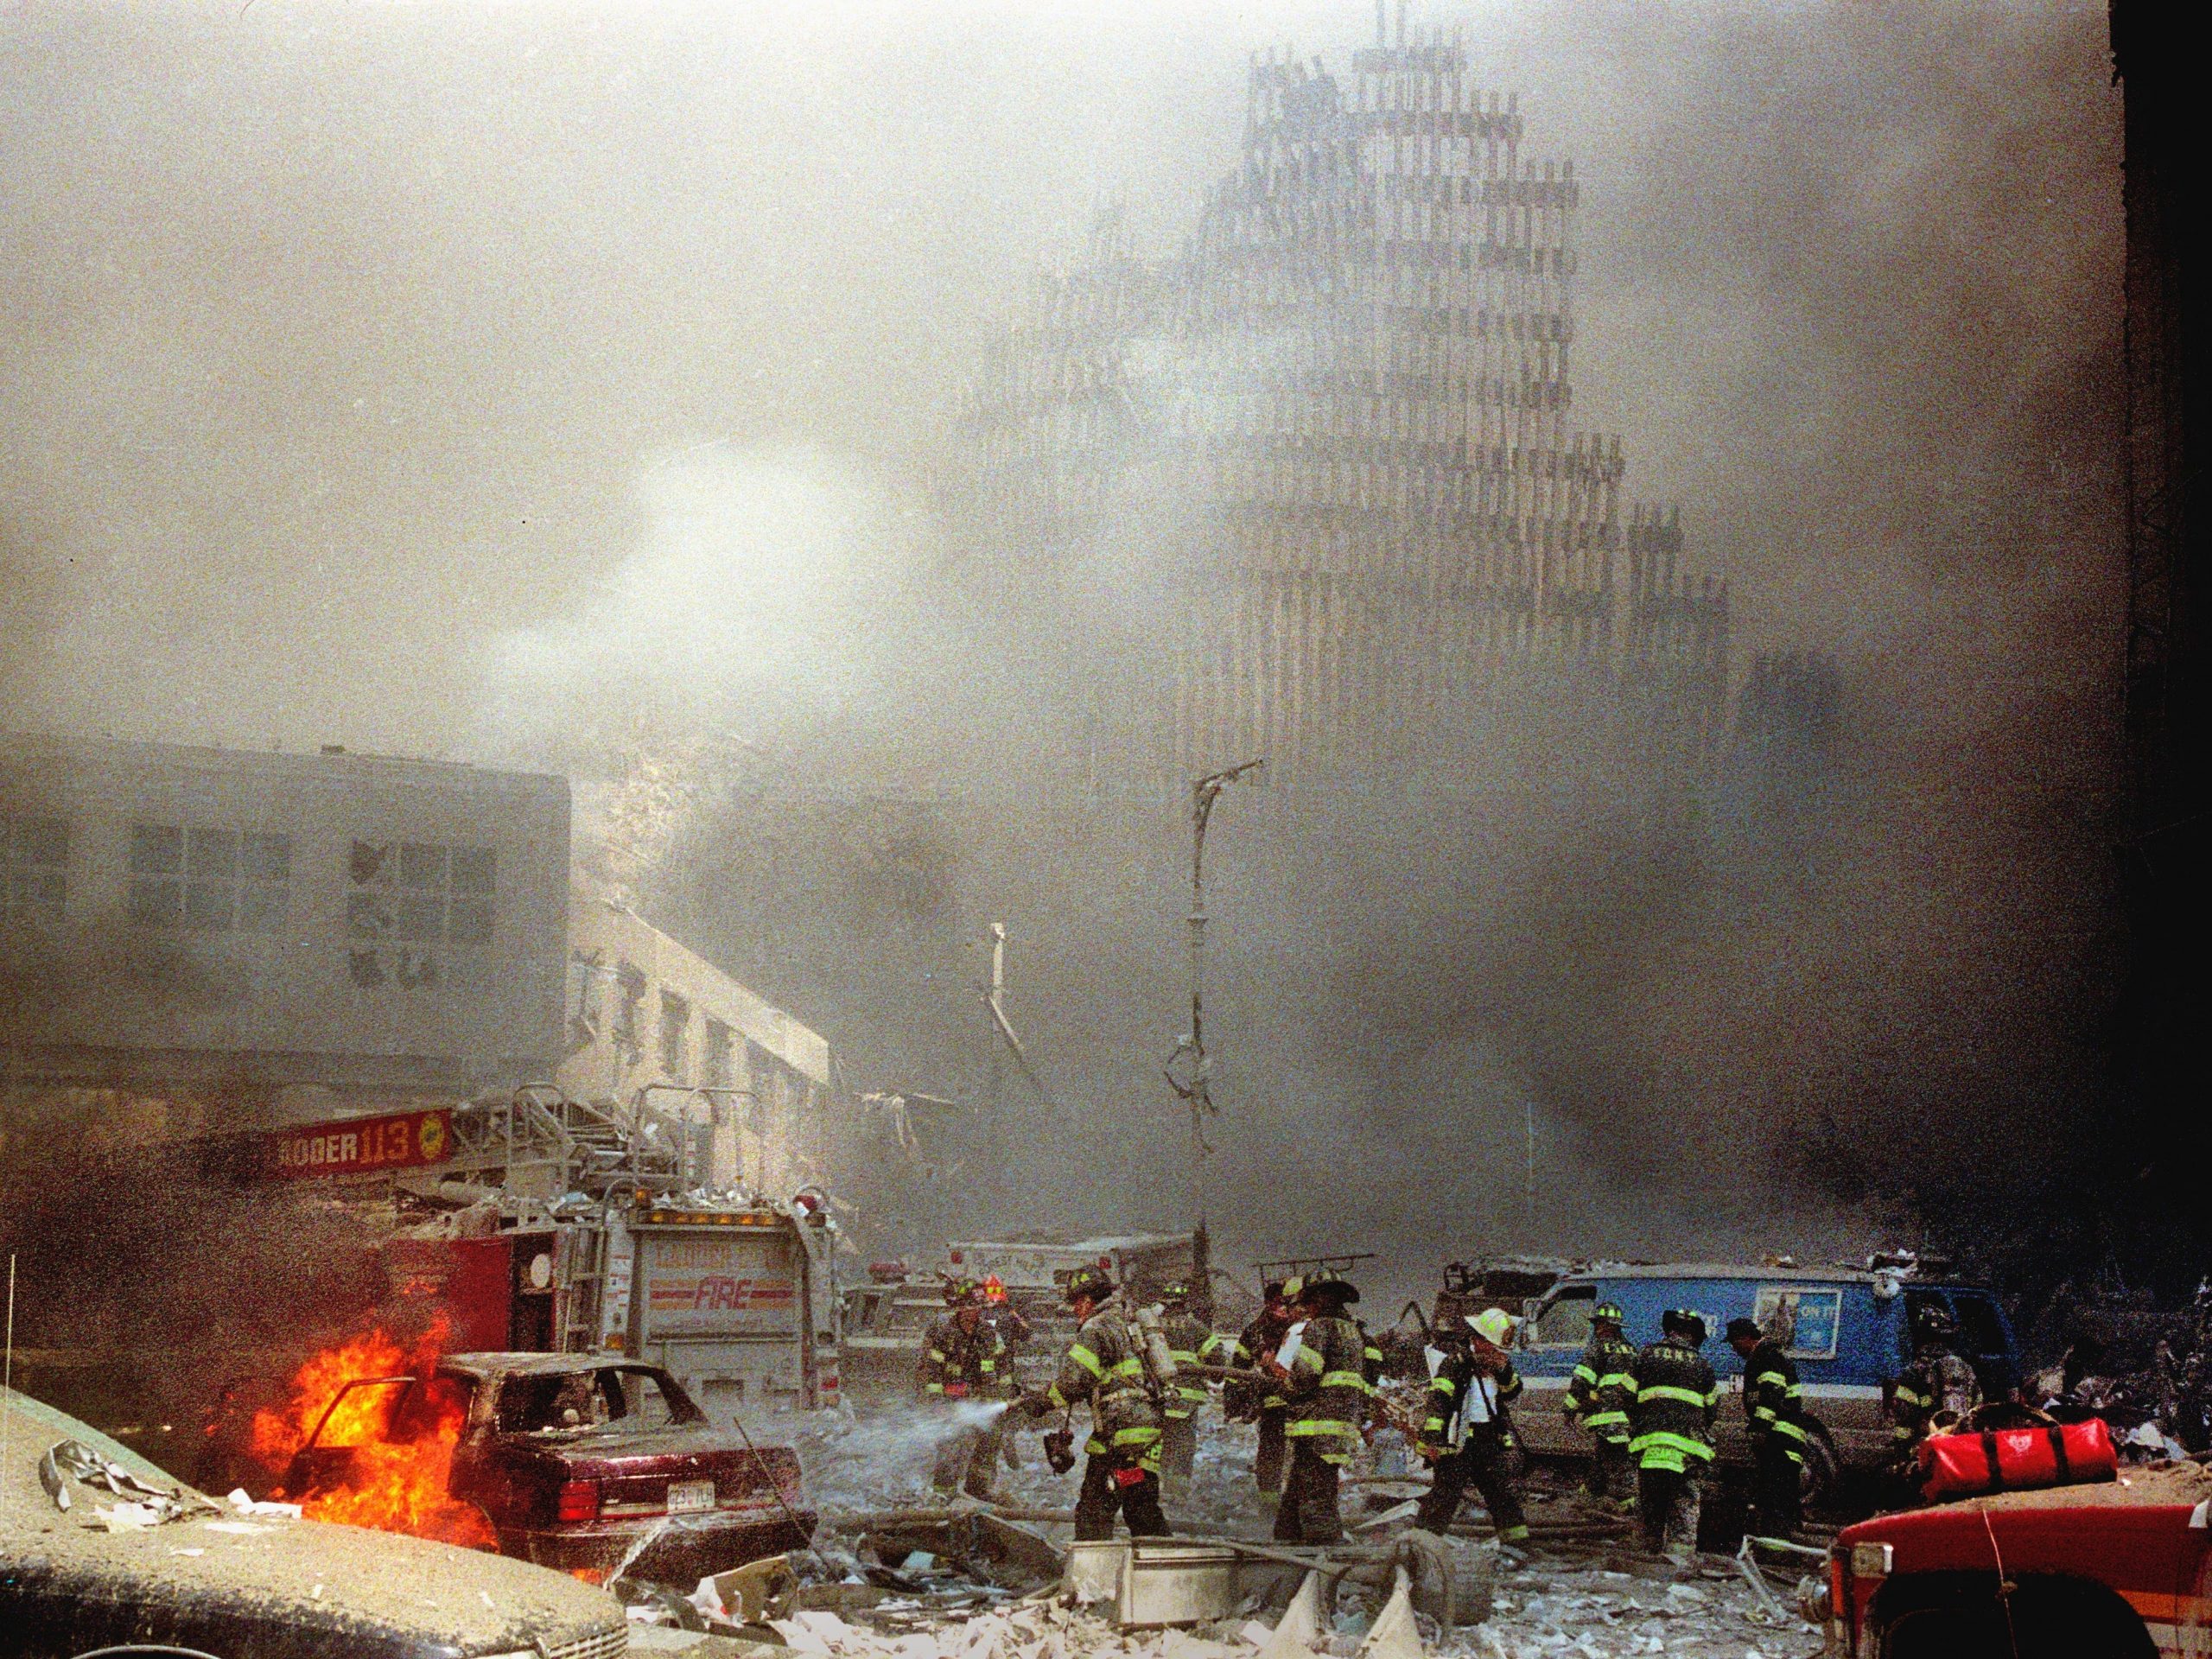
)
(688, 1497)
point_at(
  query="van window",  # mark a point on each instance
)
(1812, 1318)
(1565, 1322)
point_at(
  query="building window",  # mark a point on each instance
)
(35, 867)
(213, 880)
(675, 1036)
(587, 996)
(406, 898)
(720, 1048)
(632, 984)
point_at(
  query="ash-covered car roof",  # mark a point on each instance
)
(540, 1364)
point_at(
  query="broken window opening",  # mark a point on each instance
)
(675, 1037)
(409, 897)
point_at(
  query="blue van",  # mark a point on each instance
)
(1853, 1337)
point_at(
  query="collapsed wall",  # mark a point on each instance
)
(1339, 419)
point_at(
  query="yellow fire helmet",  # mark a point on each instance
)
(1493, 1325)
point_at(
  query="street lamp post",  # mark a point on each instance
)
(1191, 1052)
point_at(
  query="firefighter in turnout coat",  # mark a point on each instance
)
(1250, 1402)
(1468, 1436)
(964, 1359)
(1599, 1395)
(1670, 1424)
(1774, 1412)
(1105, 1366)
(1937, 1391)
(1330, 1403)
(1191, 1344)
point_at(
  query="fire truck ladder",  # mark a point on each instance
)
(587, 1149)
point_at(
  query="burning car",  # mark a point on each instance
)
(598, 1465)
(101, 1552)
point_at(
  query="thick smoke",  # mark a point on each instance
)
(564, 386)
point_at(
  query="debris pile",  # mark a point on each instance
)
(1598, 1613)
(898, 1571)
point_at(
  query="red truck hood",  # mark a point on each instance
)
(2126, 1533)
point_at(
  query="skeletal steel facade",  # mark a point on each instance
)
(1339, 421)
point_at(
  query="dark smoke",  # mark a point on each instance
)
(308, 408)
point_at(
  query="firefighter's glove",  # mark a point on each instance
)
(1059, 1450)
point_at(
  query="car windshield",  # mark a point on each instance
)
(29, 1426)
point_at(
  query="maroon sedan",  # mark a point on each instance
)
(595, 1466)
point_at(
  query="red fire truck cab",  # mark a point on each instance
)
(2121, 1570)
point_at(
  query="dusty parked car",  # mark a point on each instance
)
(589, 1463)
(209, 1582)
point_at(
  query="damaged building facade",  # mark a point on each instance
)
(1338, 426)
(200, 940)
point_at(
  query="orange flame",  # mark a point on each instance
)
(393, 1476)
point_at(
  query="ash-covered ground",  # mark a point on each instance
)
(1583, 1591)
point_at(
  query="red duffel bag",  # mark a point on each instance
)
(2016, 1459)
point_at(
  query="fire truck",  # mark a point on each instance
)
(557, 1227)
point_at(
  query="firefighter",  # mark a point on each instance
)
(1774, 1413)
(1003, 1317)
(1191, 1344)
(1105, 1366)
(1250, 1402)
(1468, 1437)
(1597, 1397)
(961, 1361)
(1670, 1433)
(1933, 1395)
(1330, 1401)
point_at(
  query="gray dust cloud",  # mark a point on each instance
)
(571, 386)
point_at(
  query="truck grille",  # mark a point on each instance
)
(606, 1644)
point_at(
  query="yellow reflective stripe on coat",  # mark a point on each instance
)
(1345, 1379)
(1309, 1426)
(1088, 1361)
(1660, 1439)
(1604, 1419)
(1669, 1391)
(1783, 1426)
(1584, 1373)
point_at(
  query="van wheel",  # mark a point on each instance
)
(1822, 1473)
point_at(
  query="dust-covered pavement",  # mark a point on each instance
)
(1580, 1595)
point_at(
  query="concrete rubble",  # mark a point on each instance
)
(898, 1571)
